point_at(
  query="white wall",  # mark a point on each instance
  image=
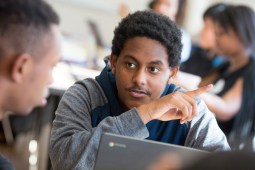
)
(74, 13)
(74, 16)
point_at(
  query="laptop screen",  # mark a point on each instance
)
(127, 153)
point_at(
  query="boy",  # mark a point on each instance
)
(29, 49)
(132, 96)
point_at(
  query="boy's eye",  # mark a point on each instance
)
(130, 65)
(154, 69)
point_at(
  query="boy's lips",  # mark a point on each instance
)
(46, 94)
(138, 93)
(43, 101)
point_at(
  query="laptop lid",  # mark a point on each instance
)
(126, 153)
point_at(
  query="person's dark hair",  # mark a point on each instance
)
(152, 4)
(181, 11)
(151, 25)
(241, 19)
(213, 11)
(24, 26)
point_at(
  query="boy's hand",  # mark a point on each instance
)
(177, 105)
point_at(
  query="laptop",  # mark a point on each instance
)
(127, 153)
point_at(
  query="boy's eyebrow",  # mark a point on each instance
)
(156, 62)
(128, 56)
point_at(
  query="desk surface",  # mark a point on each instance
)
(65, 75)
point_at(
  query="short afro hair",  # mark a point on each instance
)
(151, 25)
(25, 26)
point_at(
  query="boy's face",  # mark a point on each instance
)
(32, 88)
(142, 71)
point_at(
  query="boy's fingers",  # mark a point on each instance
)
(200, 90)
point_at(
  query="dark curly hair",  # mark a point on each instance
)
(241, 19)
(151, 25)
(24, 26)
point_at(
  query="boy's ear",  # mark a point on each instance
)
(113, 60)
(173, 73)
(20, 66)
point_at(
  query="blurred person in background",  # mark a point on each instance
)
(123, 10)
(29, 49)
(232, 99)
(175, 10)
(204, 57)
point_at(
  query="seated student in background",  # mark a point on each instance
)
(233, 99)
(132, 97)
(204, 58)
(175, 10)
(29, 49)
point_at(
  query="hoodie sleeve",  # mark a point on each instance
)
(204, 132)
(73, 142)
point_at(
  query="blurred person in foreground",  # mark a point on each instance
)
(29, 49)
(132, 97)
